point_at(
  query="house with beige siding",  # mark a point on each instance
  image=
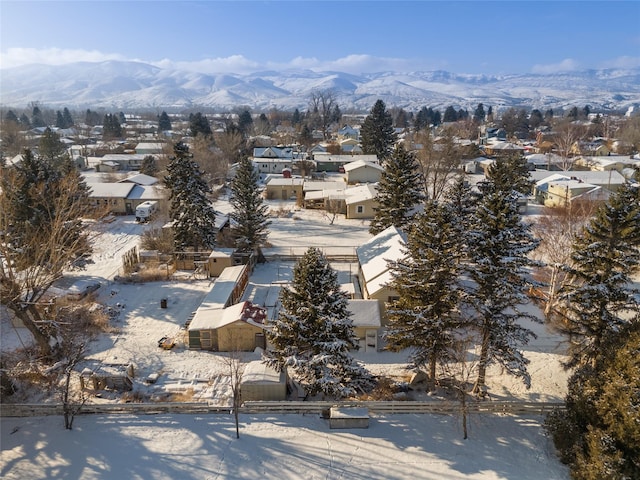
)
(362, 171)
(374, 274)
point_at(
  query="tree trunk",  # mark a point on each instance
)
(41, 339)
(432, 371)
(482, 362)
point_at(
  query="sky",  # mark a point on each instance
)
(476, 37)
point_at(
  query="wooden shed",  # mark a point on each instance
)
(239, 327)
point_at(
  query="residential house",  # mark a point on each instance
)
(610, 162)
(327, 162)
(348, 131)
(284, 188)
(559, 190)
(590, 149)
(361, 202)
(362, 171)
(367, 321)
(349, 146)
(150, 148)
(503, 149)
(374, 274)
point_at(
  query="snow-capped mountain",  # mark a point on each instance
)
(134, 85)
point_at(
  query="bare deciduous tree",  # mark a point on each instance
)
(439, 163)
(29, 267)
(322, 103)
(566, 135)
(557, 228)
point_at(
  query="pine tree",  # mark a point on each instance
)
(50, 147)
(190, 209)
(510, 173)
(111, 127)
(199, 125)
(67, 118)
(11, 117)
(164, 123)
(313, 334)
(245, 123)
(450, 114)
(37, 119)
(598, 433)
(425, 317)
(377, 135)
(496, 265)
(599, 299)
(59, 119)
(399, 191)
(249, 211)
(149, 166)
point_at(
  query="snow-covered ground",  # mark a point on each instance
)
(403, 447)
(287, 446)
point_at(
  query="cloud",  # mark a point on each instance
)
(355, 63)
(15, 57)
(566, 65)
(622, 62)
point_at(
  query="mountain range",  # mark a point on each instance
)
(121, 85)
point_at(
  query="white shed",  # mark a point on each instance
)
(261, 382)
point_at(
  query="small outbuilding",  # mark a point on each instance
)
(261, 382)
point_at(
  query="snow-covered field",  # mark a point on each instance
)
(287, 446)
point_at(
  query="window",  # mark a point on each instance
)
(360, 209)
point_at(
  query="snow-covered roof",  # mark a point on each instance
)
(313, 186)
(284, 182)
(359, 194)
(110, 190)
(595, 177)
(259, 373)
(374, 254)
(364, 313)
(217, 318)
(362, 164)
(143, 192)
(140, 179)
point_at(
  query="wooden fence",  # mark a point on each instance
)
(256, 407)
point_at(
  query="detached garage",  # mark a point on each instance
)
(261, 382)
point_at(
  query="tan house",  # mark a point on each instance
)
(367, 321)
(373, 270)
(362, 171)
(284, 188)
(361, 201)
(239, 327)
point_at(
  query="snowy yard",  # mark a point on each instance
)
(283, 446)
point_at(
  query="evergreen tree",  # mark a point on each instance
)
(50, 147)
(249, 211)
(296, 118)
(479, 113)
(164, 123)
(497, 267)
(450, 115)
(599, 299)
(190, 209)
(91, 118)
(510, 173)
(149, 166)
(399, 191)
(598, 433)
(67, 118)
(37, 119)
(425, 317)
(59, 119)
(111, 127)
(462, 204)
(313, 334)
(245, 123)
(199, 125)
(11, 117)
(377, 135)
(24, 121)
